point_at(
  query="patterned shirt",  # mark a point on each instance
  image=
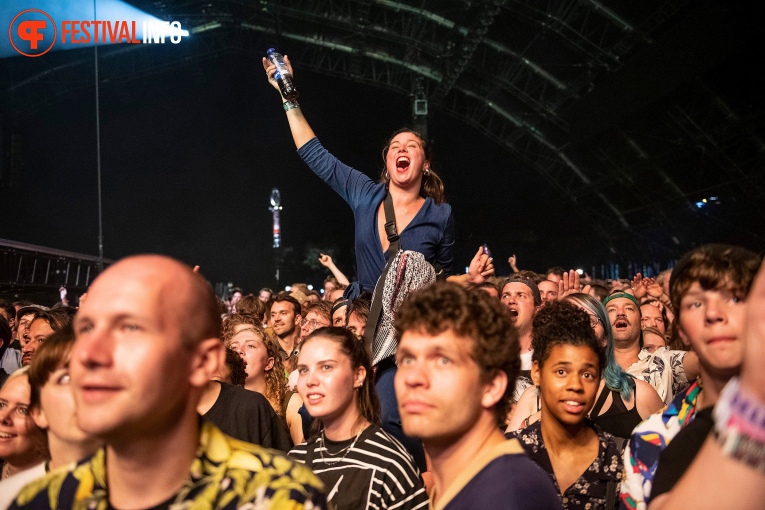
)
(649, 439)
(226, 474)
(590, 490)
(663, 370)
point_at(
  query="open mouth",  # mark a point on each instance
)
(314, 398)
(5, 435)
(573, 406)
(621, 324)
(513, 313)
(402, 163)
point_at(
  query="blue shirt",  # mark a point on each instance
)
(504, 478)
(431, 231)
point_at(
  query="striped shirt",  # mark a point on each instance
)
(375, 473)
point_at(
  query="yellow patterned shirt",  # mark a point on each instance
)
(225, 474)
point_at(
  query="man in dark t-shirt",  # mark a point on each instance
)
(458, 356)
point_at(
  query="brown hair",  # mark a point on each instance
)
(251, 305)
(473, 314)
(52, 355)
(284, 297)
(656, 332)
(431, 185)
(366, 398)
(276, 383)
(57, 319)
(323, 308)
(715, 267)
(360, 306)
(333, 280)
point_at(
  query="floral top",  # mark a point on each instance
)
(664, 370)
(649, 439)
(589, 491)
(226, 474)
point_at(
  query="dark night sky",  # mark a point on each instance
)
(190, 154)
(189, 158)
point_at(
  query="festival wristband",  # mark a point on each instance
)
(740, 425)
(289, 105)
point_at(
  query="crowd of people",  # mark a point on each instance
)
(408, 387)
(272, 399)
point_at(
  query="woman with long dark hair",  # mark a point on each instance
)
(361, 465)
(423, 218)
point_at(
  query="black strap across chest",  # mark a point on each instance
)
(394, 246)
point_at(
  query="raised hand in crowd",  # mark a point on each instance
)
(570, 284)
(480, 268)
(512, 260)
(638, 289)
(326, 261)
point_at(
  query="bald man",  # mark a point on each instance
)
(147, 344)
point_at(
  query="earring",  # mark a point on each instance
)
(426, 172)
(386, 175)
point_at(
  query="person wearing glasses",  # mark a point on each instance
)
(316, 315)
(622, 401)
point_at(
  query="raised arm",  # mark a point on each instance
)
(301, 130)
(326, 261)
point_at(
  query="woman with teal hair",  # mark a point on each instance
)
(622, 401)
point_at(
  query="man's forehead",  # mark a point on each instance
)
(422, 341)
(40, 322)
(650, 310)
(621, 302)
(123, 292)
(516, 288)
(245, 335)
(548, 286)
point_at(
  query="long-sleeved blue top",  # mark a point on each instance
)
(431, 231)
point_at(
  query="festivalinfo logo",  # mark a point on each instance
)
(33, 32)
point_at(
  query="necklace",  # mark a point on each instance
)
(347, 450)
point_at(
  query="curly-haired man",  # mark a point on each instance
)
(457, 358)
